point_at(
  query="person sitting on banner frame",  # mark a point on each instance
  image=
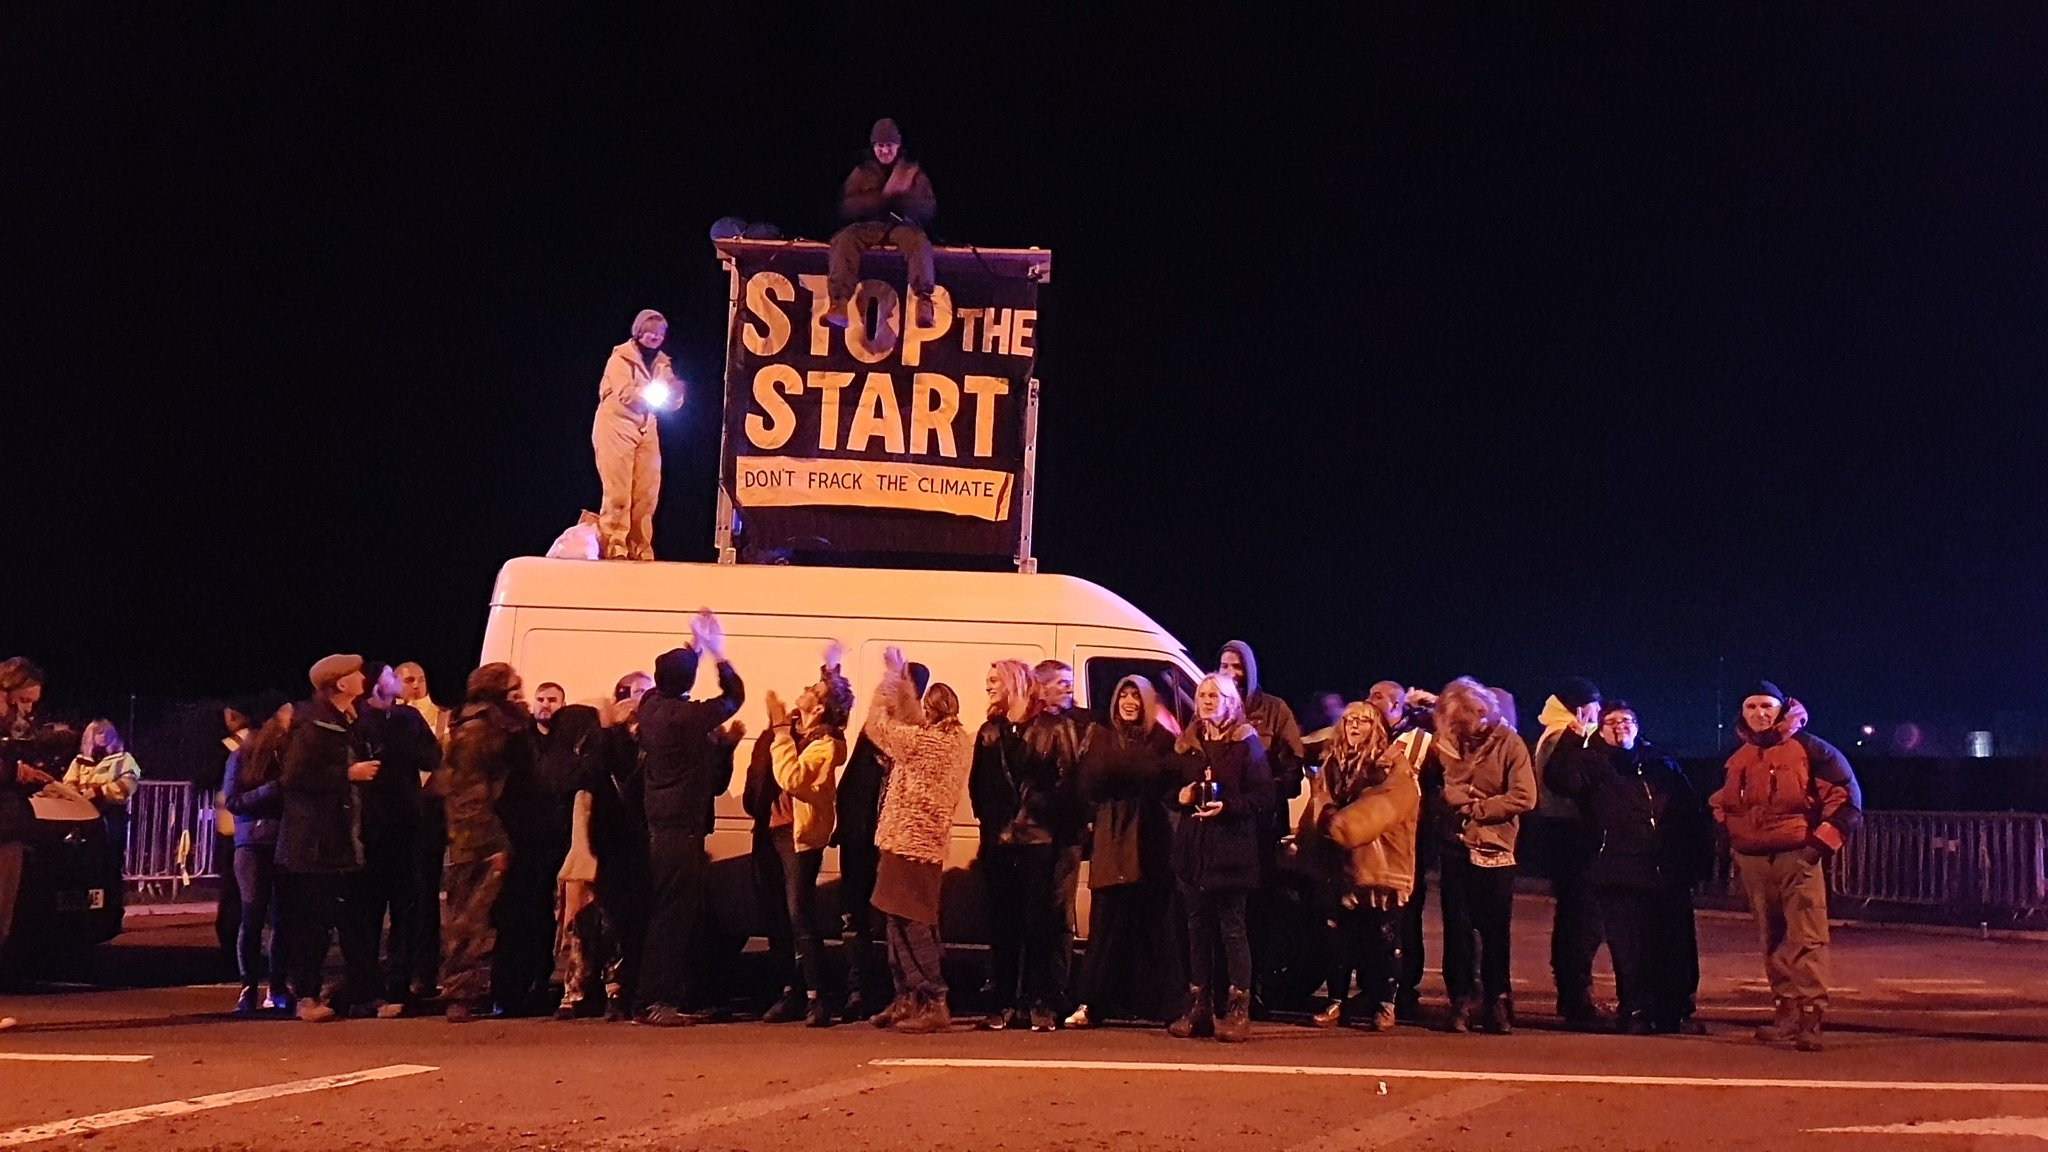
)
(887, 199)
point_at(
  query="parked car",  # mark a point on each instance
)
(71, 886)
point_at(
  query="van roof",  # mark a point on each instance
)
(795, 590)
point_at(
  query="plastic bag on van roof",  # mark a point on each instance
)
(578, 542)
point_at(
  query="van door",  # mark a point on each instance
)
(1098, 668)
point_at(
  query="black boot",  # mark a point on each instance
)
(817, 1015)
(1198, 1020)
(1461, 1015)
(789, 1007)
(1236, 1025)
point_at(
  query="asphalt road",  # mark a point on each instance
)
(1943, 1037)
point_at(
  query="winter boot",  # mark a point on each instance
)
(1461, 1015)
(896, 1013)
(1783, 1027)
(1236, 1025)
(928, 1016)
(1198, 1020)
(1807, 1035)
(1497, 1018)
(789, 1007)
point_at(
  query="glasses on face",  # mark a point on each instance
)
(1619, 722)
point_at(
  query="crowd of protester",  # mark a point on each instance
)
(522, 855)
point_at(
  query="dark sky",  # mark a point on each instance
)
(1624, 341)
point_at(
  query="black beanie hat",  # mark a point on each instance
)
(1765, 688)
(675, 671)
(884, 132)
(1578, 692)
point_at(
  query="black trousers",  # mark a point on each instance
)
(857, 865)
(523, 965)
(677, 868)
(1066, 887)
(430, 848)
(385, 887)
(1365, 940)
(227, 915)
(310, 907)
(1024, 930)
(1479, 906)
(1575, 930)
(786, 887)
(1412, 951)
(1652, 938)
(1216, 922)
(1133, 964)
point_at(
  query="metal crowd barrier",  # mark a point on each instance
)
(170, 834)
(1992, 862)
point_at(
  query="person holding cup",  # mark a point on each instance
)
(1226, 794)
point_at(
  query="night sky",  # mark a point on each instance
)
(1664, 347)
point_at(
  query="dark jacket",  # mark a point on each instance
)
(45, 746)
(569, 759)
(320, 831)
(1222, 853)
(488, 743)
(1279, 732)
(1649, 825)
(1024, 783)
(862, 784)
(1128, 779)
(682, 766)
(259, 810)
(399, 738)
(760, 792)
(861, 198)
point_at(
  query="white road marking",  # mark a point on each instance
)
(2034, 1126)
(1470, 1074)
(672, 1132)
(105, 1120)
(1401, 1123)
(72, 1058)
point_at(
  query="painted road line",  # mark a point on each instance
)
(72, 1058)
(673, 1131)
(1466, 1075)
(104, 1120)
(1400, 1123)
(2035, 1126)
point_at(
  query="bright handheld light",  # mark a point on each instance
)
(656, 394)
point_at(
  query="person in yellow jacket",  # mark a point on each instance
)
(638, 384)
(806, 748)
(105, 772)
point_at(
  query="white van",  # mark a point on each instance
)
(584, 624)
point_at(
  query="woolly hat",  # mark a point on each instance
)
(1577, 692)
(675, 670)
(331, 669)
(647, 318)
(1765, 688)
(884, 132)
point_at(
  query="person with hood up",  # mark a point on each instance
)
(1487, 784)
(1652, 846)
(319, 836)
(1225, 800)
(932, 754)
(488, 743)
(1789, 801)
(792, 802)
(887, 199)
(1364, 803)
(1015, 791)
(1571, 843)
(862, 784)
(682, 768)
(638, 384)
(1128, 776)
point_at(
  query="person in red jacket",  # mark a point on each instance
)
(1788, 802)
